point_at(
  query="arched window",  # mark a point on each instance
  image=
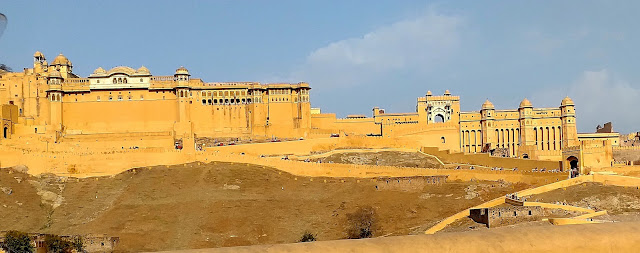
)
(215, 101)
(115, 80)
(439, 118)
(125, 80)
(209, 101)
(204, 101)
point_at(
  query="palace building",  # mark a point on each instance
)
(53, 101)
(133, 106)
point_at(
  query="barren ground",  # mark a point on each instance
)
(385, 158)
(222, 204)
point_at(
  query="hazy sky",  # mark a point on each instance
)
(360, 54)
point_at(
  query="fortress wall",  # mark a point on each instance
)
(327, 123)
(589, 238)
(150, 115)
(617, 180)
(489, 161)
(370, 171)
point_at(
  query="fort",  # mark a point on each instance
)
(133, 143)
(130, 108)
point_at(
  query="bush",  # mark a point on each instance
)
(55, 244)
(16, 241)
(78, 245)
(362, 223)
(307, 237)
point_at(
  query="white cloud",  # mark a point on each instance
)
(601, 97)
(412, 45)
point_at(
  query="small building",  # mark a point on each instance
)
(501, 216)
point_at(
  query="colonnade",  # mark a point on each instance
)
(548, 138)
(471, 141)
(508, 138)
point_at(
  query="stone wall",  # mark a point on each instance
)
(408, 183)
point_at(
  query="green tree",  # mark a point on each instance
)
(17, 242)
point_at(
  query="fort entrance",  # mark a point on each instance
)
(573, 166)
(5, 132)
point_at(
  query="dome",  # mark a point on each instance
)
(61, 60)
(447, 93)
(487, 105)
(38, 54)
(143, 71)
(525, 103)
(99, 71)
(567, 101)
(429, 93)
(182, 71)
(55, 74)
(122, 70)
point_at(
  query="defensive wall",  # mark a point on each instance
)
(487, 160)
(589, 238)
(83, 164)
(616, 180)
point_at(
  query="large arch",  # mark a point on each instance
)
(574, 166)
(438, 118)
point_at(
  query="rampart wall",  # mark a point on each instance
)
(485, 159)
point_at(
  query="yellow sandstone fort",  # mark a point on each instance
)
(124, 107)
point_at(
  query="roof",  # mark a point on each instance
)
(525, 103)
(567, 101)
(487, 105)
(61, 60)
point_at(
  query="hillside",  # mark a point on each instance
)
(221, 204)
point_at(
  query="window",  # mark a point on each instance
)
(98, 98)
(98, 81)
(115, 80)
(125, 80)
(141, 80)
(204, 101)
(110, 98)
(215, 101)
(141, 97)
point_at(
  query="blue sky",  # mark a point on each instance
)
(360, 54)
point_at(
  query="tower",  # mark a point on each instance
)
(487, 123)
(569, 131)
(527, 134)
(62, 65)
(39, 62)
(54, 93)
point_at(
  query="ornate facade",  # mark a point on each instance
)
(51, 102)
(529, 132)
(124, 102)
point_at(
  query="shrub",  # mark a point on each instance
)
(16, 241)
(307, 237)
(55, 244)
(78, 244)
(362, 223)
